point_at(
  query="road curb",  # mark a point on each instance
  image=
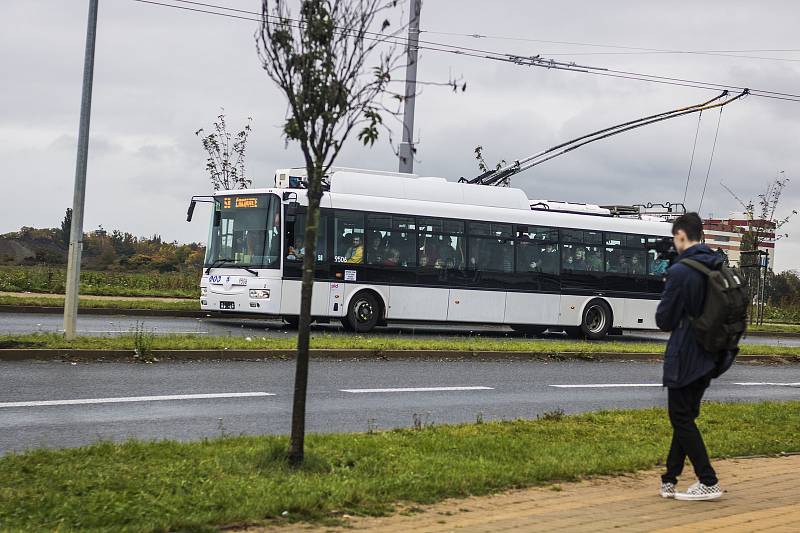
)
(49, 354)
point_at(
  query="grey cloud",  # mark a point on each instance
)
(161, 74)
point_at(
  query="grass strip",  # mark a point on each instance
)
(49, 301)
(351, 342)
(166, 485)
(774, 328)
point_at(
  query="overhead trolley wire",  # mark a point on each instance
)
(710, 160)
(534, 61)
(499, 175)
(691, 160)
(629, 49)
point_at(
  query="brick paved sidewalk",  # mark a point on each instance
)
(761, 494)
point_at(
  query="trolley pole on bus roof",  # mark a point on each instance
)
(79, 196)
(406, 148)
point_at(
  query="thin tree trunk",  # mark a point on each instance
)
(297, 440)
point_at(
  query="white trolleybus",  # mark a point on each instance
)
(396, 247)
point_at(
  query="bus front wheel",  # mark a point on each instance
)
(363, 313)
(596, 321)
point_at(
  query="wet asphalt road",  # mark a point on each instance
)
(117, 325)
(337, 399)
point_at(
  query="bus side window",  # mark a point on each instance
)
(441, 243)
(582, 251)
(348, 234)
(391, 240)
(491, 247)
(537, 250)
(296, 234)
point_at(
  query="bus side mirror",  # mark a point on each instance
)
(190, 212)
(217, 218)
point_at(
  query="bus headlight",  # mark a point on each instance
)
(259, 293)
(203, 291)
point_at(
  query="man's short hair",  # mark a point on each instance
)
(691, 224)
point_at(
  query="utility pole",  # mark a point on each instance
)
(79, 196)
(406, 150)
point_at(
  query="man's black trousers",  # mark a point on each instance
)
(683, 405)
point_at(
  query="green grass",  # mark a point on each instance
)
(775, 328)
(51, 279)
(199, 486)
(49, 301)
(345, 342)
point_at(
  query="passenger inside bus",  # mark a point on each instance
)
(637, 266)
(375, 248)
(657, 266)
(534, 257)
(297, 250)
(429, 253)
(594, 259)
(355, 253)
(617, 262)
(576, 258)
(255, 246)
(392, 257)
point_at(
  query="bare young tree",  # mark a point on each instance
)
(333, 63)
(763, 223)
(762, 214)
(226, 155)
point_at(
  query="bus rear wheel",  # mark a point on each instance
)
(363, 313)
(596, 321)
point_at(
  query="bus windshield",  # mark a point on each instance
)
(245, 232)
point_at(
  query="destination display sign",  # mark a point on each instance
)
(242, 202)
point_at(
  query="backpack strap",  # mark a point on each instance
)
(696, 265)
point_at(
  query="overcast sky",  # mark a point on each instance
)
(162, 73)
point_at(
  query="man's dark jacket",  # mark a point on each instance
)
(685, 361)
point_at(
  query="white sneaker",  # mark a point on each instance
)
(698, 491)
(667, 490)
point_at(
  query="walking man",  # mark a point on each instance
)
(688, 367)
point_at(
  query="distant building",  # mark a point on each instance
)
(727, 235)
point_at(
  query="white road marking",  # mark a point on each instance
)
(767, 384)
(606, 385)
(85, 401)
(417, 389)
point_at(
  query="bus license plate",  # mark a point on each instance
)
(227, 305)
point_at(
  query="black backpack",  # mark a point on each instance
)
(723, 321)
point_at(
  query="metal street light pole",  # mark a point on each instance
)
(79, 196)
(406, 151)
